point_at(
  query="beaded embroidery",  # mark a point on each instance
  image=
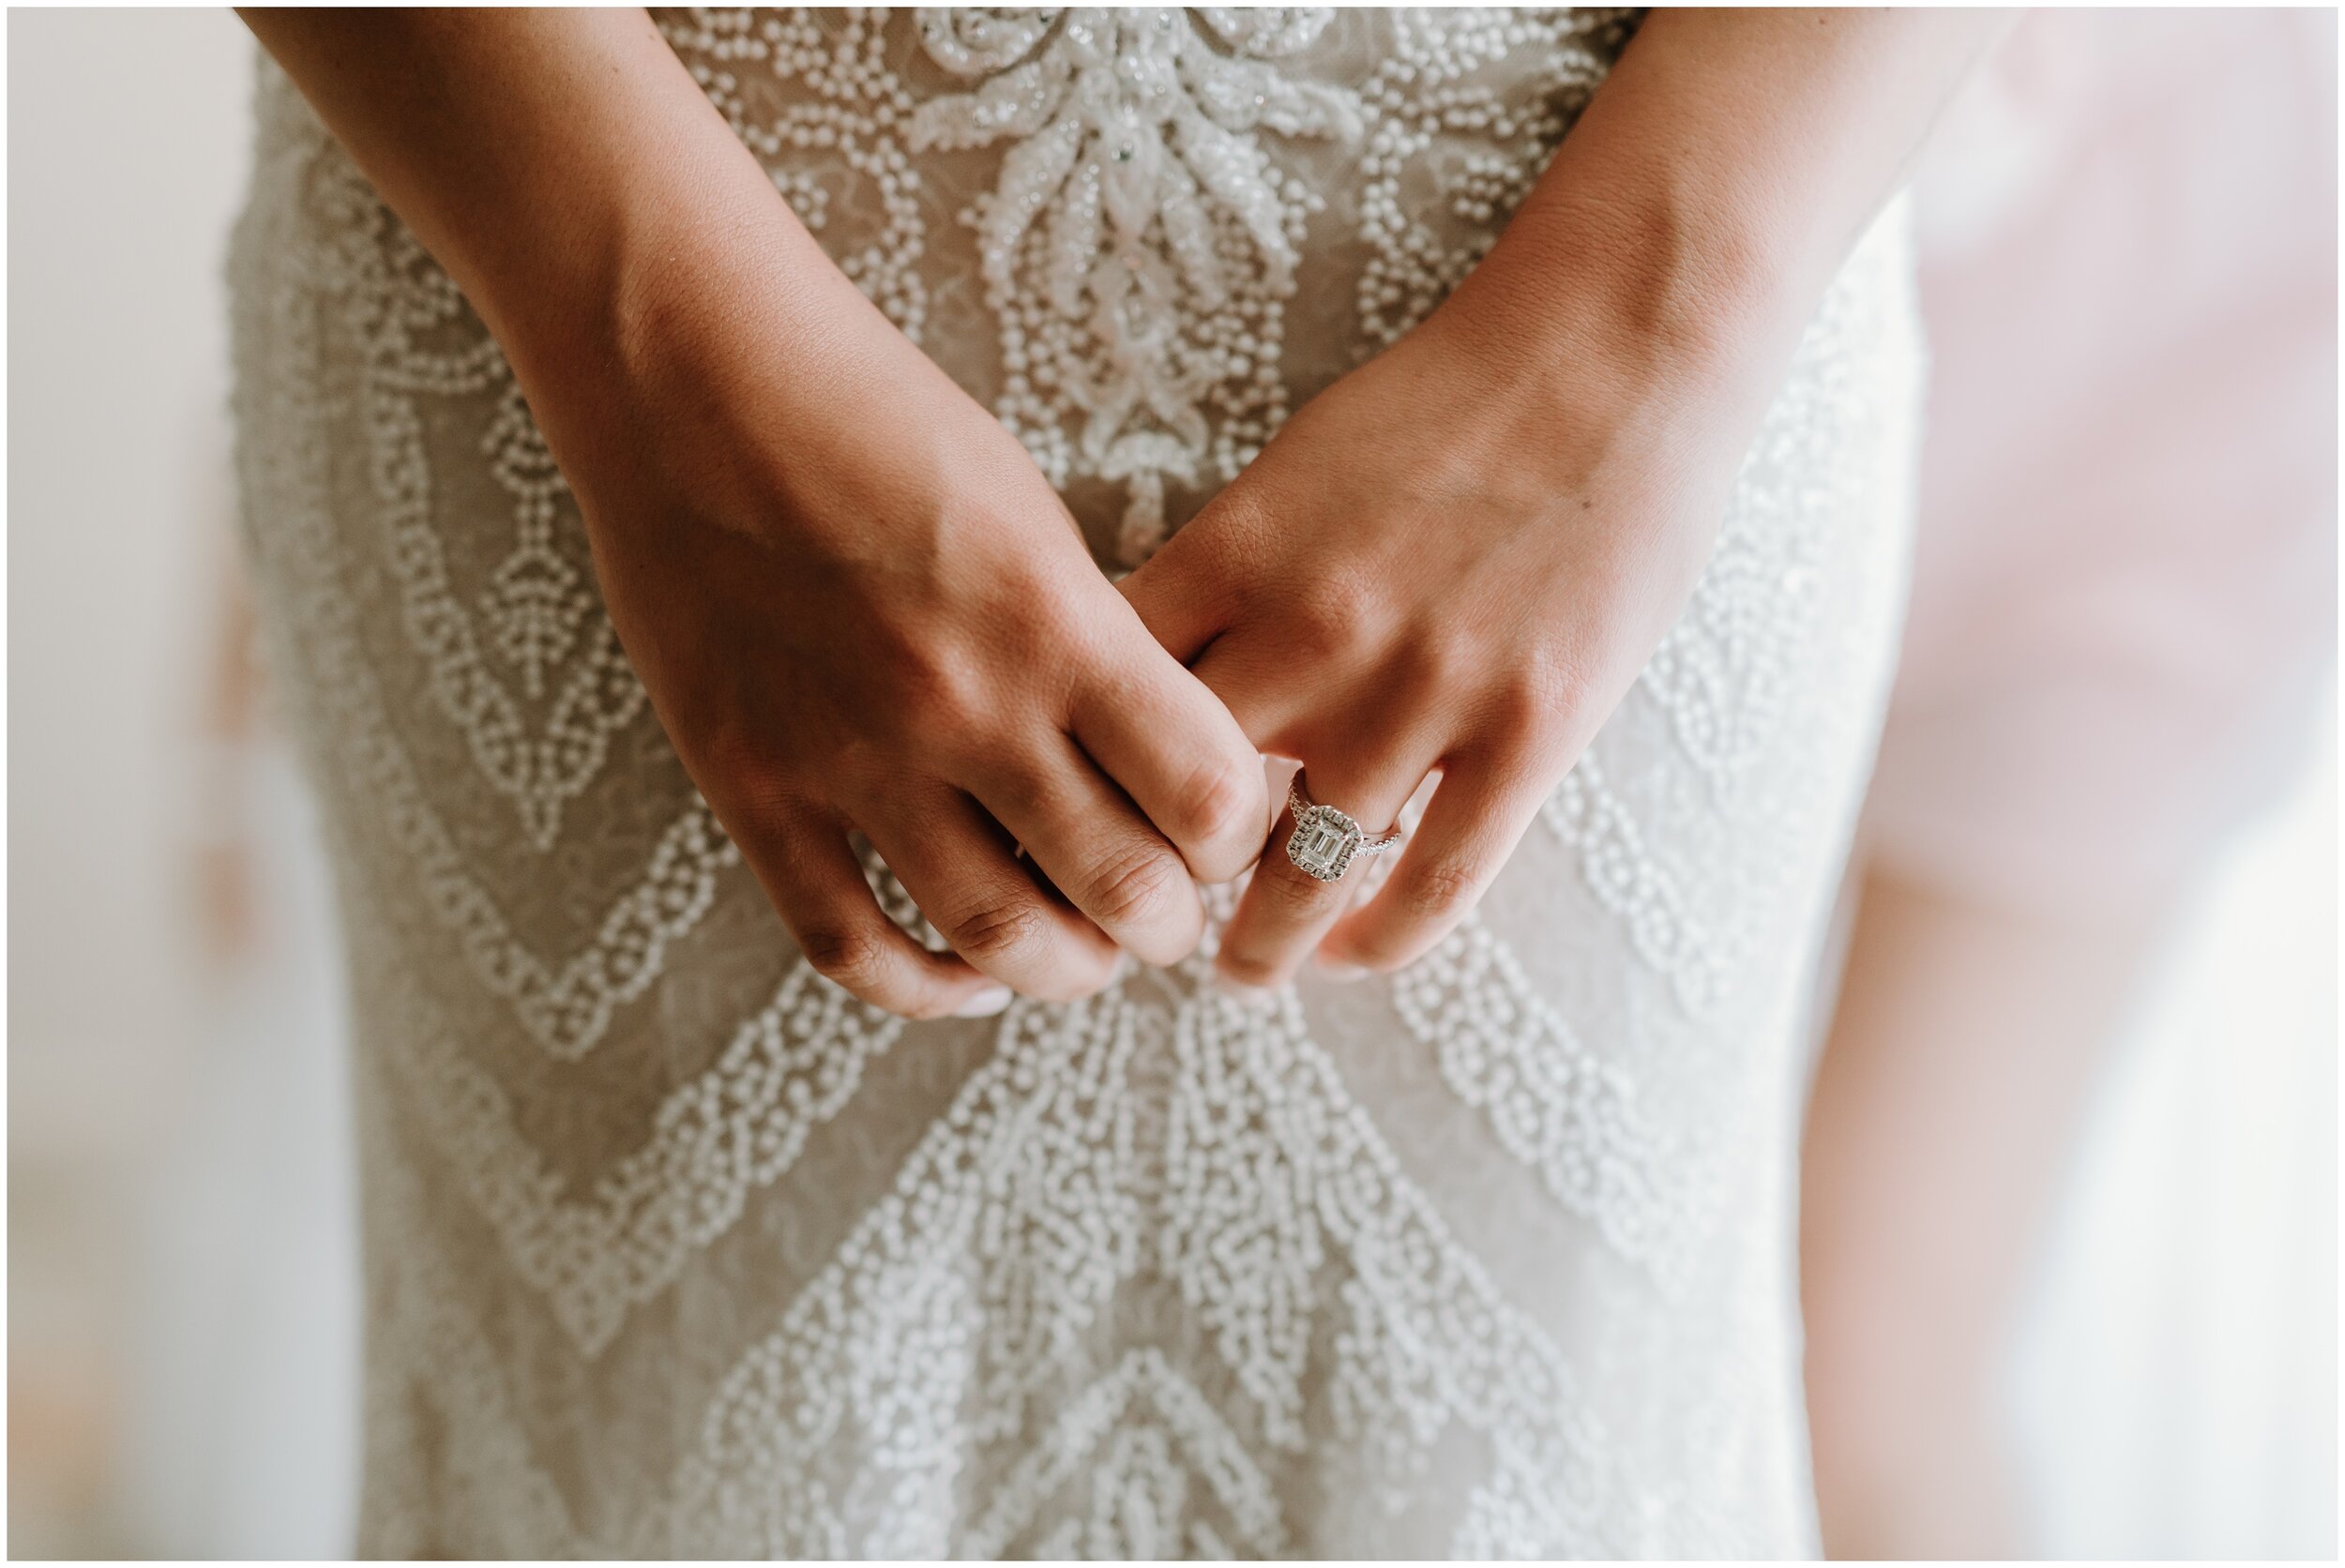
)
(1153, 1279)
(1141, 241)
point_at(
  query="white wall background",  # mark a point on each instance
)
(178, 1292)
(2174, 1385)
(127, 155)
(174, 1133)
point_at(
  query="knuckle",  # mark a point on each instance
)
(1002, 928)
(1517, 720)
(944, 707)
(961, 691)
(1290, 891)
(1424, 905)
(849, 957)
(1022, 773)
(741, 765)
(1538, 698)
(1439, 891)
(1443, 659)
(1133, 886)
(1219, 800)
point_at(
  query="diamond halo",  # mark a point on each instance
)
(1326, 841)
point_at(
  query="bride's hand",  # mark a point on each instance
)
(857, 604)
(854, 601)
(1459, 557)
(881, 618)
(1452, 559)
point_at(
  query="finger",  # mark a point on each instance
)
(1157, 731)
(811, 872)
(1470, 827)
(958, 866)
(1173, 595)
(1100, 852)
(1260, 693)
(1286, 910)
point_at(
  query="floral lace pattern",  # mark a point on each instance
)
(1550, 1102)
(1665, 929)
(672, 1247)
(1142, 240)
(735, 1128)
(1261, 1174)
(536, 612)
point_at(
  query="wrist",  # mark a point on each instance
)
(725, 362)
(618, 266)
(1633, 287)
(692, 320)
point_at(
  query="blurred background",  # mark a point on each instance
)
(2071, 1230)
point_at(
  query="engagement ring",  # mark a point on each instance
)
(1326, 841)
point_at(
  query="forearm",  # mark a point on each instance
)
(1720, 176)
(530, 151)
(628, 251)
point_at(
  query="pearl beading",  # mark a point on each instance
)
(1157, 1318)
(1140, 246)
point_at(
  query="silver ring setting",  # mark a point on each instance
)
(1326, 841)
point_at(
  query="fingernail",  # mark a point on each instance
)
(1342, 974)
(985, 1004)
(1252, 995)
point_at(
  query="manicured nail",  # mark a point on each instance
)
(1342, 975)
(1253, 995)
(985, 1004)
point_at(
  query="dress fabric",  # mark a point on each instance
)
(673, 1248)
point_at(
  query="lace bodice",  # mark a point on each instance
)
(675, 1249)
(1177, 223)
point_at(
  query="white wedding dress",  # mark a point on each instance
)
(673, 1248)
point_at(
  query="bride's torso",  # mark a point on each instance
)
(672, 1247)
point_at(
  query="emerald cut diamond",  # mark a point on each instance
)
(1323, 842)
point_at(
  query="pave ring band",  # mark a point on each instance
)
(1326, 841)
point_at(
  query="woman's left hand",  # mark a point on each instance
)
(1456, 559)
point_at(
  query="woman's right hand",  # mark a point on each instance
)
(854, 601)
(857, 605)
